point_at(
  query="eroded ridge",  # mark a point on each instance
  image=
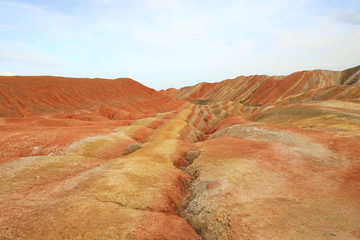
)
(226, 166)
(134, 195)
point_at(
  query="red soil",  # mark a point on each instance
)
(274, 158)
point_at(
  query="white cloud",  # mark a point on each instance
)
(193, 26)
(7, 74)
(6, 26)
(159, 3)
(348, 16)
(22, 5)
(27, 55)
(184, 40)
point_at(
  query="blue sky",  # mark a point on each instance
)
(175, 43)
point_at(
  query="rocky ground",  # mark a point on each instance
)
(96, 159)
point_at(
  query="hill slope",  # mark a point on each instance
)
(266, 90)
(254, 157)
(28, 96)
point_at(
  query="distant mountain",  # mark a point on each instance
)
(115, 99)
(261, 90)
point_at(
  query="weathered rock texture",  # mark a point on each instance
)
(250, 158)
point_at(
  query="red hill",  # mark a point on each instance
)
(255, 157)
(29, 96)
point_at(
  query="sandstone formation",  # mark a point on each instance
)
(254, 157)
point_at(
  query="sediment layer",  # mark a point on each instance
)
(250, 158)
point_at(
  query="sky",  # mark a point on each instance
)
(177, 43)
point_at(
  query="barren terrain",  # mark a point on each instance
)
(258, 157)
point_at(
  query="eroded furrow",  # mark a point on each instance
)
(197, 172)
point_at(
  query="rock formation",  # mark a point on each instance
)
(256, 157)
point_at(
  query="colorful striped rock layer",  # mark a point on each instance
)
(254, 157)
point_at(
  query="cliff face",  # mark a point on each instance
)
(254, 157)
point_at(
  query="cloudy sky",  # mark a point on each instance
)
(175, 43)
